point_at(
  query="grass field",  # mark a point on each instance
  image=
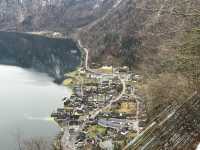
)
(105, 69)
(95, 130)
(127, 107)
(67, 82)
(74, 78)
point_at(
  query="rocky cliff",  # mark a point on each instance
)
(29, 15)
(125, 31)
(52, 56)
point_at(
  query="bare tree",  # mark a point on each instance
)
(36, 144)
(189, 58)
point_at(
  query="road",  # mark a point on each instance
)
(169, 129)
(174, 128)
(67, 143)
(112, 101)
(87, 68)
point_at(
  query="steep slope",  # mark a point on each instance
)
(140, 31)
(183, 124)
(48, 55)
(23, 15)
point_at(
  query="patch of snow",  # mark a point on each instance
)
(20, 1)
(108, 145)
(198, 147)
(98, 4)
(73, 51)
(117, 3)
(44, 3)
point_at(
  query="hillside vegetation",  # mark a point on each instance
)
(48, 55)
(158, 39)
(58, 15)
(140, 28)
(179, 78)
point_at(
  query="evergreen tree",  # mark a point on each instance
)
(189, 58)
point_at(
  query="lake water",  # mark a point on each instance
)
(27, 99)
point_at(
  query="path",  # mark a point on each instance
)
(67, 143)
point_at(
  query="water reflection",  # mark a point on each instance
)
(26, 100)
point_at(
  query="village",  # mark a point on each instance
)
(103, 110)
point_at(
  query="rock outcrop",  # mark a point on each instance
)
(53, 56)
(29, 15)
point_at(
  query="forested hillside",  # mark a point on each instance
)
(48, 55)
(147, 27)
(63, 15)
(158, 39)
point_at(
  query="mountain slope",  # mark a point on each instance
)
(48, 55)
(139, 30)
(23, 15)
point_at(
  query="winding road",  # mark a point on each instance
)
(112, 101)
(87, 68)
(67, 142)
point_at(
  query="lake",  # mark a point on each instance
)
(27, 99)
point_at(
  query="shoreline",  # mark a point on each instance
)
(59, 137)
(58, 81)
(54, 59)
(67, 141)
